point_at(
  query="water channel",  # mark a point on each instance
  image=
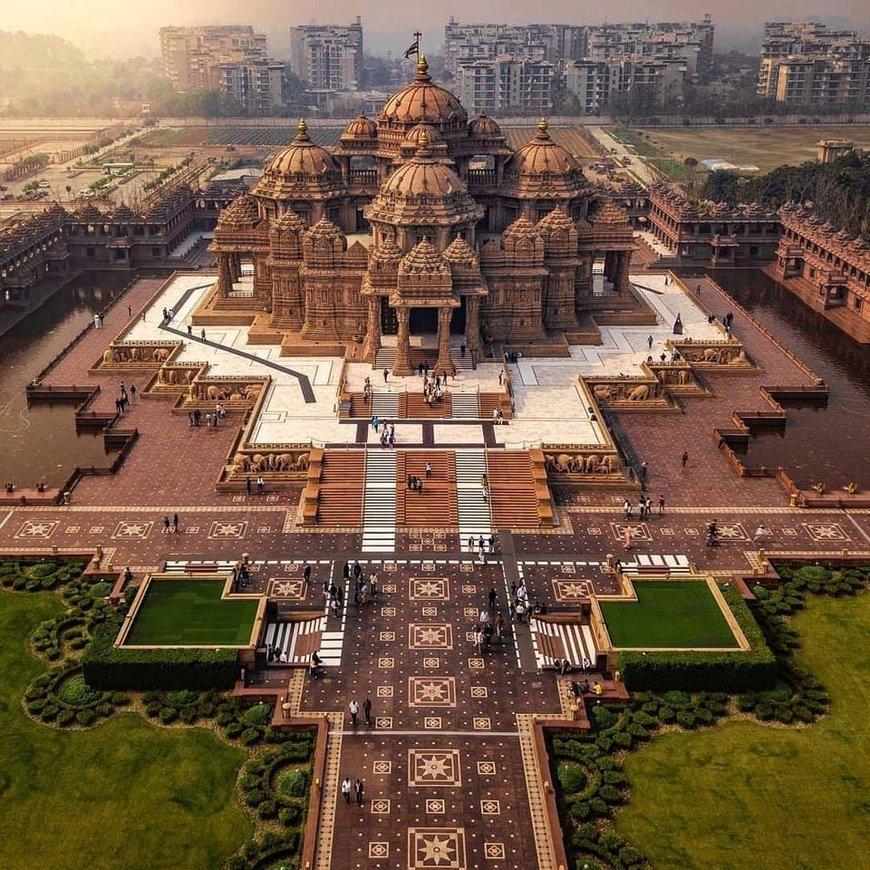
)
(828, 443)
(40, 442)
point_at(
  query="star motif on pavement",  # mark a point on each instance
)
(428, 588)
(432, 635)
(433, 766)
(432, 691)
(437, 850)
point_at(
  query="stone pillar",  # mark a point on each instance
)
(621, 280)
(472, 328)
(403, 343)
(445, 361)
(373, 329)
(225, 275)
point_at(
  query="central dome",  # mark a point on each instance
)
(424, 102)
(423, 175)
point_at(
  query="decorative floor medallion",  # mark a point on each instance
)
(34, 530)
(429, 589)
(132, 530)
(434, 767)
(571, 590)
(430, 635)
(436, 847)
(431, 692)
(287, 588)
(228, 529)
(826, 532)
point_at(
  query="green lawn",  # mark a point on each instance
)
(746, 795)
(191, 613)
(682, 614)
(125, 794)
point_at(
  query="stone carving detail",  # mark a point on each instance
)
(579, 463)
(255, 463)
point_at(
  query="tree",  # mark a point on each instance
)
(721, 186)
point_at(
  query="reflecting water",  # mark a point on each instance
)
(829, 444)
(40, 442)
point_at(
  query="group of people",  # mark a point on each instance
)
(365, 589)
(212, 418)
(123, 400)
(644, 506)
(260, 483)
(349, 789)
(171, 525)
(482, 546)
(432, 391)
(387, 431)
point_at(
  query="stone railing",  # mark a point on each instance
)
(121, 356)
(720, 356)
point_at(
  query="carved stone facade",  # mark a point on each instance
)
(461, 235)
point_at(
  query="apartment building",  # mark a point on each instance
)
(805, 63)
(506, 83)
(328, 56)
(594, 82)
(232, 59)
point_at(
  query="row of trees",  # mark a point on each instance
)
(839, 191)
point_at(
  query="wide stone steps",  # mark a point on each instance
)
(340, 497)
(385, 405)
(512, 494)
(437, 505)
(561, 640)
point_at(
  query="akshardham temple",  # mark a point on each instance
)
(420, 222)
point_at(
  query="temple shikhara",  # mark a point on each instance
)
(420, 222)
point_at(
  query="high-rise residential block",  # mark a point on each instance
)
(328, 56)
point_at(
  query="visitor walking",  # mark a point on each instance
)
(649, 342)
(386, 375)
(367, 711)
(354, 713)
(661, 505)
(492, 598)
(166, 525)
(685, 458)
(175, 523)
(359, 788)
(346, 789)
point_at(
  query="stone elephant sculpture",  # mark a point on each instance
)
(638, 394)
(591, 463)
(242, 462)
(251, 391)
(563, 462)
(302, 461)
(603, 392)
(216, 393)
(683, 377)
(135, 354)
(161, 354)
(607, 464)
(711, 355)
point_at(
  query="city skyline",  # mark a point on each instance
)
(101, 29)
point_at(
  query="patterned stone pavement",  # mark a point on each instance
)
(448, 774)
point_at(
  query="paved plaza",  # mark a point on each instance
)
(452, 778)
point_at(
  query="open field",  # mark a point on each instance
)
(668, 614)
(571, 140)
(748, 795)
(122, 794)
(191, 613)
(765, 147)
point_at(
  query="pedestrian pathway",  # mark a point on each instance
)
(379, 503)
(465, 406)
(188, 566)
(475, 516)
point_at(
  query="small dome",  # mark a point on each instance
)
(123, 214)
(459, 251)
(422, 175)
(542, 156)
(484, 127)
(89, 214)
(360, 127)
(423, 101)
(243, 214)
(301, 157)
(423, 135)
(610, 213)
(289, 222)
(387, 251)
(424, 259)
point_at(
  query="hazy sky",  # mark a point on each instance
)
(129, 27)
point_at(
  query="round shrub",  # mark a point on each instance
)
(603, 718)
(233, 730)
(181, 698)
(764, 710)
(294, 782)
(86, 718)
(119, 699)
(290, 815)
(251, 736)
(610, 793)
(704, 717)
(75, 692)
(631, 857)
(784, 715)
(259, 715)
(268, 809)
(188, 715)
(678, 700)
(571, 777)
(686, 718)
(255, 797)
(623, 739)
(153, 709)
(66, 718)
(760, 592)
(599, 807)
(104, 708)
(168, 714)
(101, 589)
(35, 706)
(813, 574)
(225, 719)
(666, 715)
(614, 777)
(49, 713)
(605, 744)
(581, 810)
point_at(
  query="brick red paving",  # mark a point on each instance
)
(442, 767)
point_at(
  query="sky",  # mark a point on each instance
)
(126, 28)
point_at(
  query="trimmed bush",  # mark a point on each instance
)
(572, 778)
(699, 671)
(75, 692)
(106, 666)
(290, 815)
(86, 718)
(168, 714)
(261, 714)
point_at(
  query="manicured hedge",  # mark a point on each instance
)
(753, 670)
(106, 666)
